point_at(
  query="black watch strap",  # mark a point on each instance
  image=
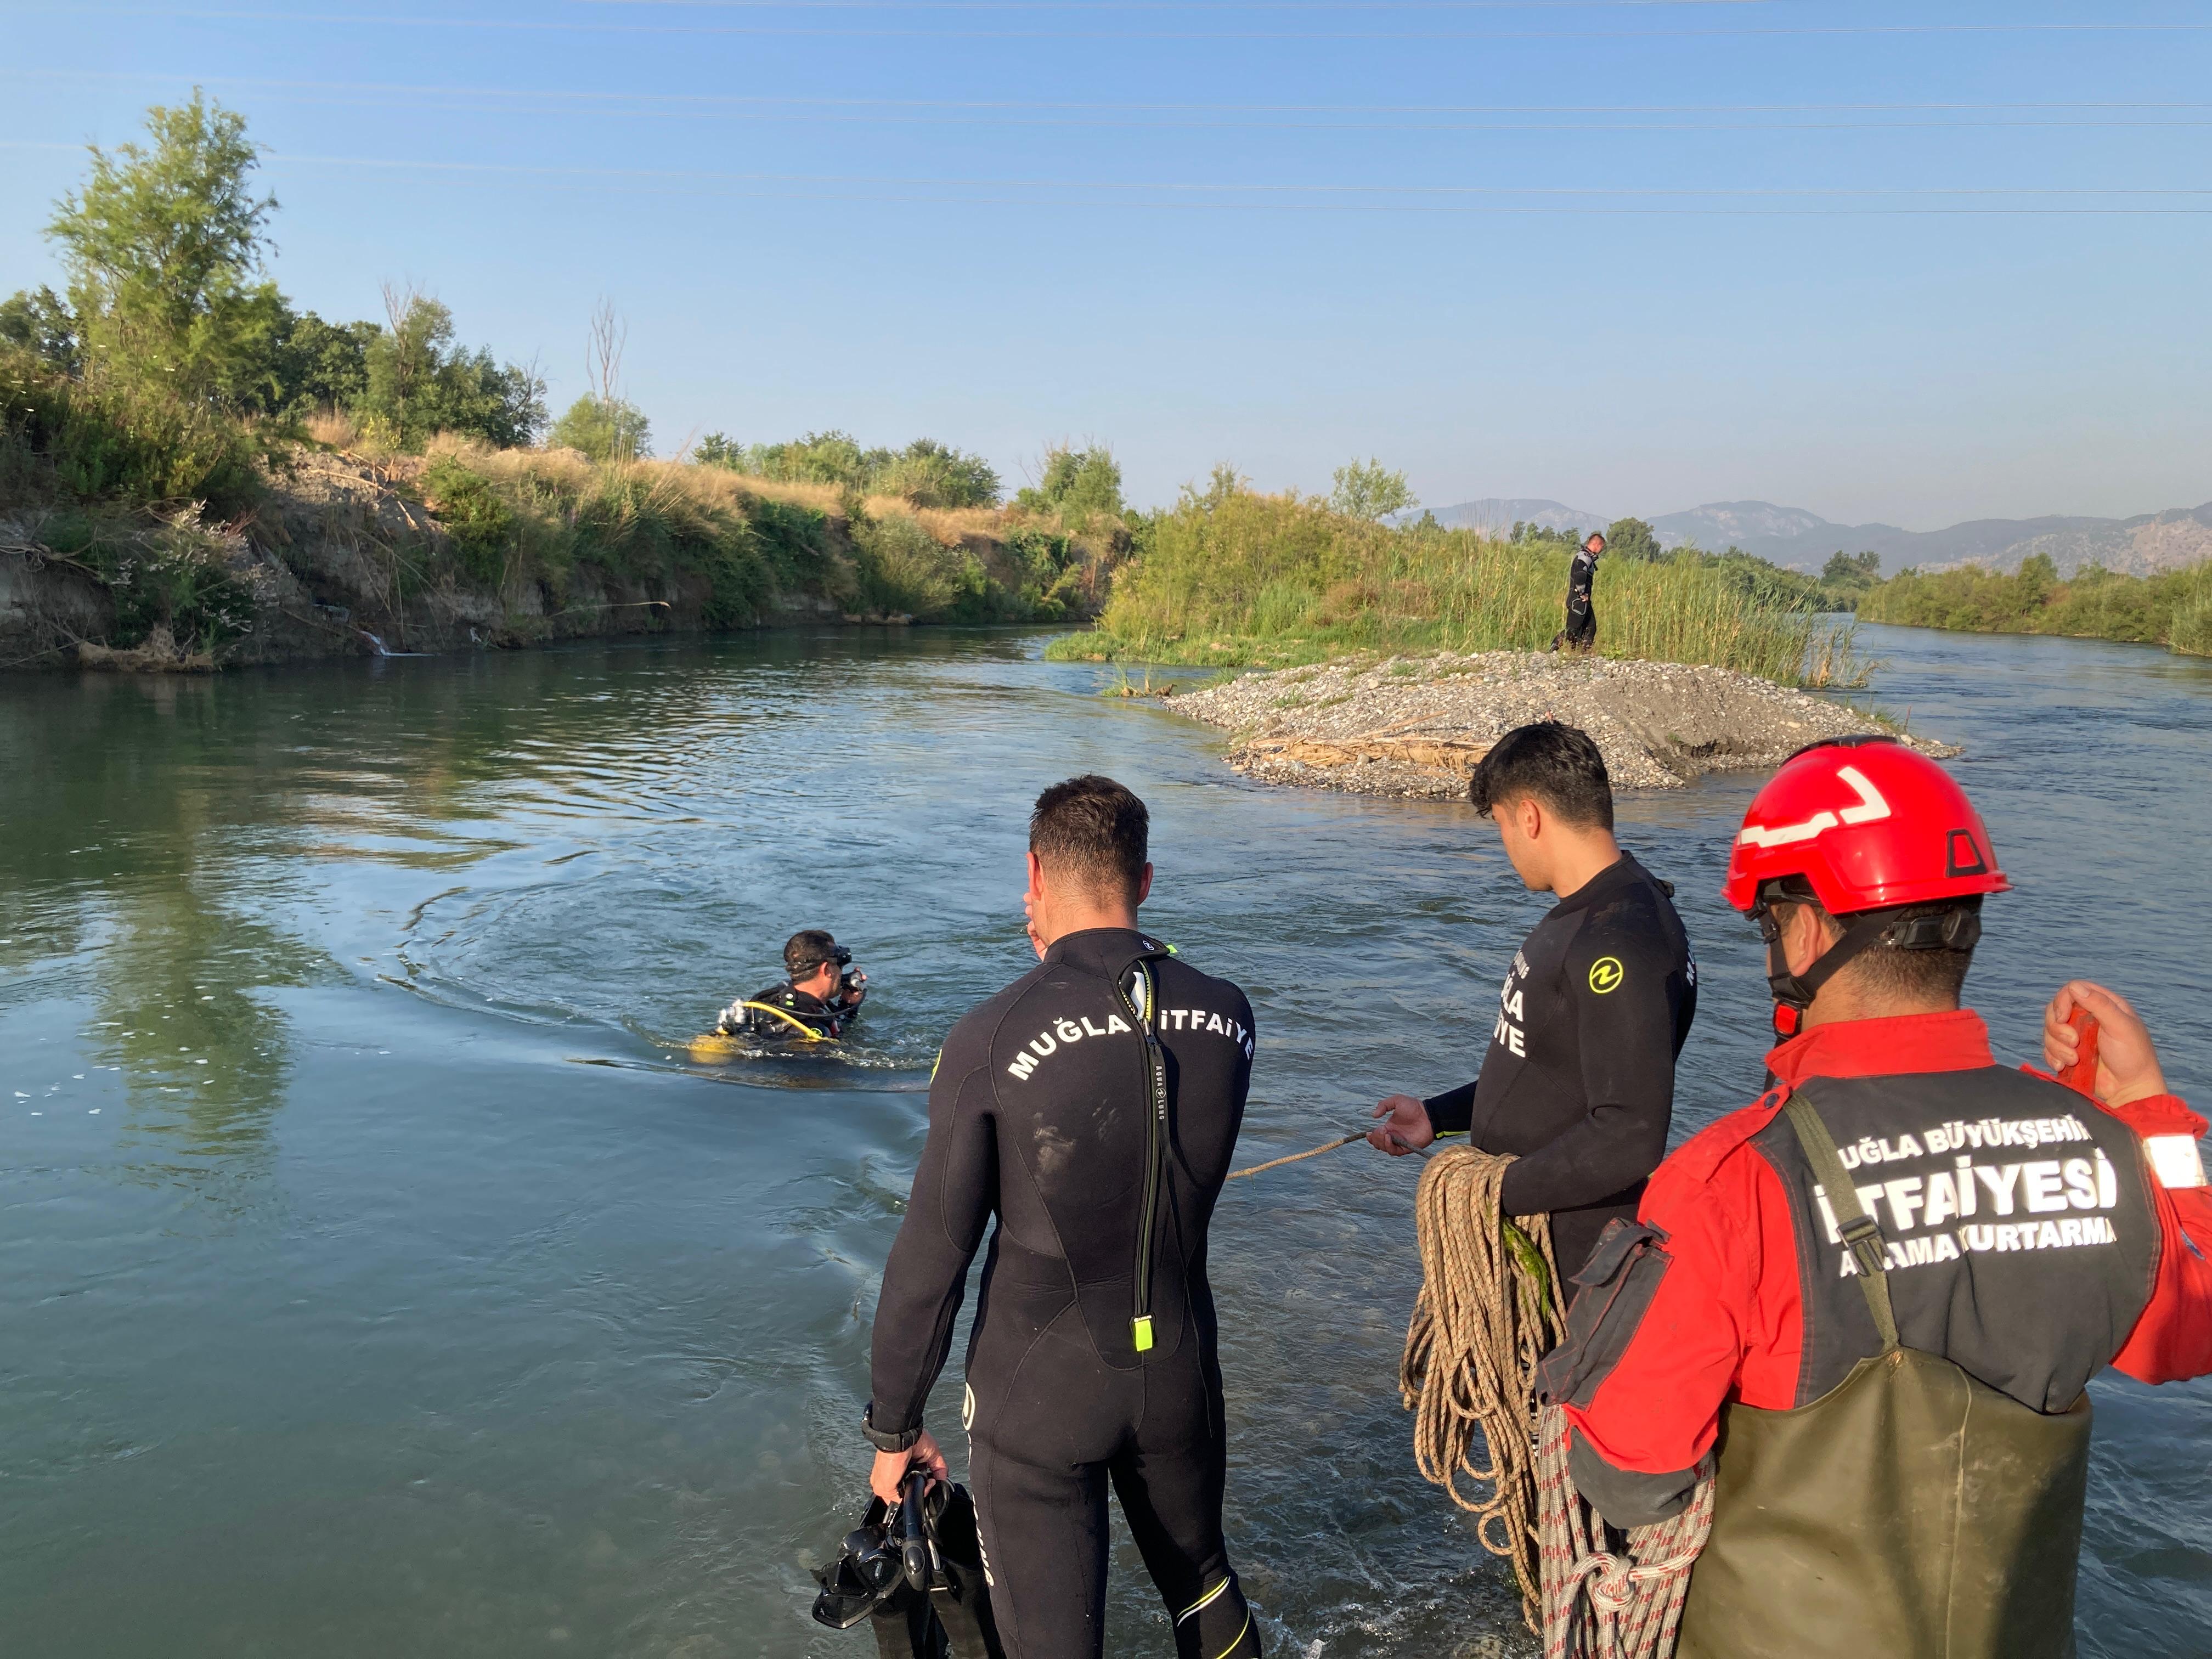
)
(890, 1442)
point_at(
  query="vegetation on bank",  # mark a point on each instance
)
(2172, 608)
(156, 420)
(1232, 577)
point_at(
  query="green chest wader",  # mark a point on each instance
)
(1909, 1512)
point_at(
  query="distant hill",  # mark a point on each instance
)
(1792, 537)
(1502, 512)
(1802, 541)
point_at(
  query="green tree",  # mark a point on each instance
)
(719, 449)
(605, 428)
(419, 382)
(320, 365)
(39, 321)
(931, 474)
(1631, 538)
(1851, 569)
(161, 246)
(1078, 485)
(1371, 490)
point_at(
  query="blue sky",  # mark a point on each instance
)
(1914, 263)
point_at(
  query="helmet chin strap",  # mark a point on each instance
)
(1955, 930)
(1793, 993)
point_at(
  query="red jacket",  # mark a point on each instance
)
(1707, 1304)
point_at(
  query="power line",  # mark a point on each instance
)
(536, 169)
(556, 98)
(1571, 200)
(540, 25)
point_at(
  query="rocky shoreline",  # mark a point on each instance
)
(1415, 727)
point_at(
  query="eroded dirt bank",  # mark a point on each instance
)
(1415, 727)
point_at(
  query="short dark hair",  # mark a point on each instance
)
(1556, 764)
(805, 952)
(1093, 830)
(1930, 973)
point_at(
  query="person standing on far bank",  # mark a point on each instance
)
(1578, 1083)
(1581, 631)
(1090, 1107)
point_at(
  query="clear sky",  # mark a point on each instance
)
(1912, 262)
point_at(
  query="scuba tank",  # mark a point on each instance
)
(915, 1573)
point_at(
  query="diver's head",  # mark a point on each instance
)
(1089, 839)
(814, 960)
(1545, 787)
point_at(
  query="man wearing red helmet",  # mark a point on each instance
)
(1869, 1304)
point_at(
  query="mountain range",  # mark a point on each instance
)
(1802, 541)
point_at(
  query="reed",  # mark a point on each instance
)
(1236, 578)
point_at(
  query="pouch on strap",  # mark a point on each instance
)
(1911, 1511)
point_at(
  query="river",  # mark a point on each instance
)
(380, 1279)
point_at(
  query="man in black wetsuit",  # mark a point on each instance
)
(1579, 1079)
(820, 999)
(1090, 1107)
(1581, 631)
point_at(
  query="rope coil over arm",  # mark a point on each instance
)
(1491, 1307)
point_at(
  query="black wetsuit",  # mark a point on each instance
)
(1579, 1080)
(1093, 1356)
(1581, 631)
(829, 1019)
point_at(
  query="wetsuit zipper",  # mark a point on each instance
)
(1156, 1125)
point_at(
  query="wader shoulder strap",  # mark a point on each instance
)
(1861, 1235)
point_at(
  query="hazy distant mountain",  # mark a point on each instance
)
(1791, 536)
(1502, 512)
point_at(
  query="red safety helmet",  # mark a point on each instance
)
(1872, 828)
(1870, 824)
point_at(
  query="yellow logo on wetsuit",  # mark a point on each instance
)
(1605, 974)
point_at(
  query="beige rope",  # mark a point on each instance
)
(1487, 1314)
(1484, 1317)
(1297, 1157)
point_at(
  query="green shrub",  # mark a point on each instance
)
(2159, 609)
(104, 439)
(479, 522)
(904, 568)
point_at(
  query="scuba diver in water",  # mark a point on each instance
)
(820, 1000)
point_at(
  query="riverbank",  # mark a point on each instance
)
(1415, 727)
(468, 547)
(2172, 608)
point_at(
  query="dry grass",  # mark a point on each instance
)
(334, 429)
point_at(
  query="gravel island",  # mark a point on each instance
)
(1415, 726)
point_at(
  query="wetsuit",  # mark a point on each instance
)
(1100, 1154)
(2030, 1239)
(1579, 1079)
(1581, 631)
(828, 1020)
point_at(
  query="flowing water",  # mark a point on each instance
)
(380, 1279)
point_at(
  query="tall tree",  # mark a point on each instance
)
(162, 245)
(1369, 490)
(1631, 538)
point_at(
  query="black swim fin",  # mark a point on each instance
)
(916, 1575)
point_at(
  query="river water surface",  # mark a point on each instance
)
(378, 1278)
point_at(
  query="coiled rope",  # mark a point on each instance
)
(1486, 1315)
